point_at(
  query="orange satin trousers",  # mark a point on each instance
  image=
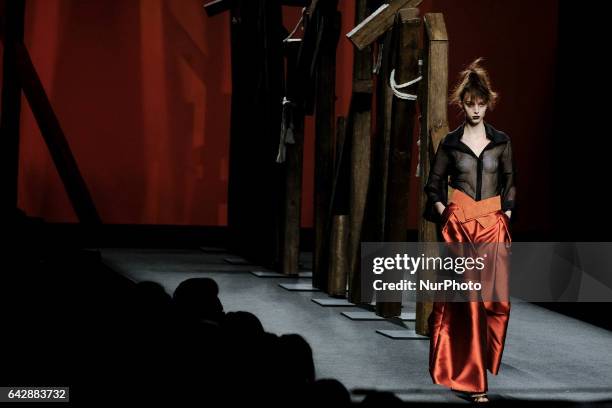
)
(467, 338)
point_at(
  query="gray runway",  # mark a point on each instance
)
(547, 355)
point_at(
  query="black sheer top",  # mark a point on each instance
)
(456, 164)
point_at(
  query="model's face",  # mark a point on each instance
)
(475, 109)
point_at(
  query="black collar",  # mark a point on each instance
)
(453, 139)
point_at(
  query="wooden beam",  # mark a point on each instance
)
(373, 227)
(360, 135)
(290, 243)
(434, 127)
(377, 23)
(327, 19)
(54, 137)
(11, 106)
(403, 120)
(338, 217)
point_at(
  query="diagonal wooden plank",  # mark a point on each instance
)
(377, 23)
(54, 137)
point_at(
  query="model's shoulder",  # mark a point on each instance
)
(452, 137)
(497, 134)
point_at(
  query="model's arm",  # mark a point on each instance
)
(437, 185)
(508, 180)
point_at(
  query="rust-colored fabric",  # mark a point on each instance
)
(467, 338)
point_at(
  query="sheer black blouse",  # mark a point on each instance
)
(456, 164)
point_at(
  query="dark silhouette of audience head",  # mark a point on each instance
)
(329, 393)
(242, 324)
(197, 298)
(297, 360)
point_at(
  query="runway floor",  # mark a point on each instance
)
(548, 355)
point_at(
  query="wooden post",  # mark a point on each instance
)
(403, 120)
(338, 256)
(293, 169)
(373, 228)
(11, 106)
(255, 179)
(338, 230)
(328, 32)
(359, 132)
(434, 127)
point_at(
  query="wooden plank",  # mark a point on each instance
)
(292, 208)
(373, 226)
(436, 27)
(336, 285)
(329, 23)
(54, 137)
(377, 23)
(406, 66)
(360, 131)
(11, 105)
(434, 127)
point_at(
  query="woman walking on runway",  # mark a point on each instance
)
(467, 338)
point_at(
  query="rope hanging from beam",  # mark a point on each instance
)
(396, 88)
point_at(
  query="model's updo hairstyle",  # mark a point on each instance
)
(474, 82)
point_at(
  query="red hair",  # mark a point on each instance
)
(474, 82)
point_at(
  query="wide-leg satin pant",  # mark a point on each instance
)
(467, 338)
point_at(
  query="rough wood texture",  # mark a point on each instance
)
(290, 242)
(328, 24)
(373, 227)
(434, 127)
(338, 268)
(407, 26)
(377, 23)
(338, 230)
(54, 137)
(11, 105)
(361, 112)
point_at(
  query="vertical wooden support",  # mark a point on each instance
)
(290, 243)
(359, 133)
(255, 179)
(434, 127)
(11, 106)
(403, 121)
(338, 230)
(328, 32)
(373, 228)
(338, 256)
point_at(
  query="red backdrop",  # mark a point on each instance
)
(142, 90)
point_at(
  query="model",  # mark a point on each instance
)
(467, 338)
